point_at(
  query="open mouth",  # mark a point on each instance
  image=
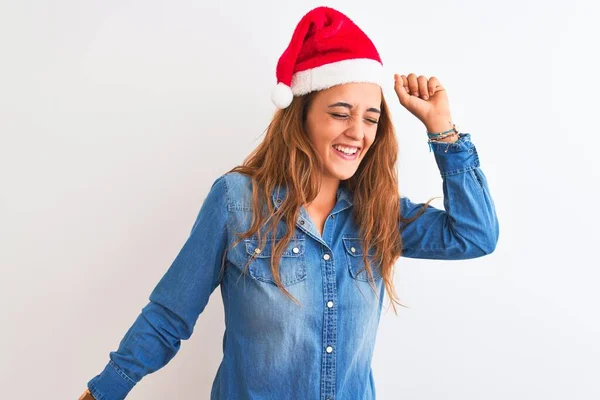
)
(346, 153)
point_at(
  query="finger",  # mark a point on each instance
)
(400, 88)
(422, 81)
(413, 85)
(405, 83)
(432, 85)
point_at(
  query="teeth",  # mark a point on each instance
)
(346, 150)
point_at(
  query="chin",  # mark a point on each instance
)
(341, 175)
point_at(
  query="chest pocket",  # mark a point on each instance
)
(291, 265)
(354, 256)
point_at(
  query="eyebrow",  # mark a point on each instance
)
(342, 104)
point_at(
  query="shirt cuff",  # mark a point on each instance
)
(111, 384)
(456, 157)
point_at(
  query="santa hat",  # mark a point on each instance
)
(326, 49)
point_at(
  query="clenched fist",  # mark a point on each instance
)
(426, 99)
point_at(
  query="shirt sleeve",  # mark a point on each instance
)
(175, 303)
(468, 225)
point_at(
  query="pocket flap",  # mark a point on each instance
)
(354, 246)
(294, 249)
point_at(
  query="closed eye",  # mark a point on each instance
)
(344, 116)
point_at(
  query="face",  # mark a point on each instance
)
(341, 123)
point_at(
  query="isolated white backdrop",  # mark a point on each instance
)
(116, 116)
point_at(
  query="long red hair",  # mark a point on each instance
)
(287, 157)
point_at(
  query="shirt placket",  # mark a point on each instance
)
(329, 345)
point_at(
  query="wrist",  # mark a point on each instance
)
(439, 124)
(438, 132)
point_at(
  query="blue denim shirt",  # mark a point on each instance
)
(273, 348)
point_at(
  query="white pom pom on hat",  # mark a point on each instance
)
(327, 49)
(282, 95)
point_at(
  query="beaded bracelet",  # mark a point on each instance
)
(434, 137)
(431, 134)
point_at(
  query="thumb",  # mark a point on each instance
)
(403, 95)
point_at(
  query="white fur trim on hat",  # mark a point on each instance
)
(345, 71)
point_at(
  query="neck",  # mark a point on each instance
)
(326, 198)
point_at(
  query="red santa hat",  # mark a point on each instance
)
(326, 49)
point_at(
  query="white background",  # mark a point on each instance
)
(117, 116)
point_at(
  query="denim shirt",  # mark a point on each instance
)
(273, 348)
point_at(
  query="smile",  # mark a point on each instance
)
(346, 153)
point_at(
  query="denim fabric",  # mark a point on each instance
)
(273, 348)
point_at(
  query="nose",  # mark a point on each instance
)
(355, 130)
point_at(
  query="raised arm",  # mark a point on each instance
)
(175, 303)
(468, 225)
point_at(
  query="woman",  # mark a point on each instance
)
(314, 217)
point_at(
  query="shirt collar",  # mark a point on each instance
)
(343, 196)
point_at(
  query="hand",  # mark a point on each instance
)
(87, 395)
(426, 99)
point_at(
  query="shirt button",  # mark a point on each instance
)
(353, 250)
(330, 304)
(329, 349)
(257, 250)
(326, 256)
(296, 250)
(301, 222)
